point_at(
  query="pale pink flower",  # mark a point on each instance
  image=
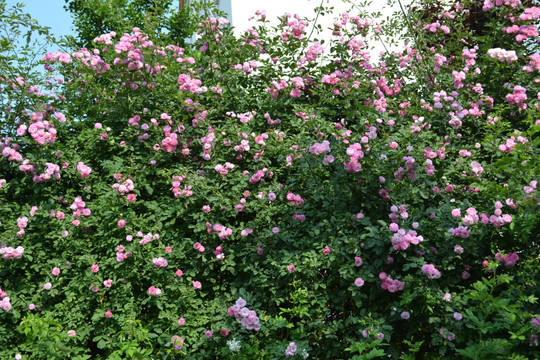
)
(160, 262)
(154, 290)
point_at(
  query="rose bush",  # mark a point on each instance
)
(272, 196)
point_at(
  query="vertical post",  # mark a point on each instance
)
(181, 5)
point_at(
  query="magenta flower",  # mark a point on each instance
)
(359, 282)
(181, 321)
(108, 314)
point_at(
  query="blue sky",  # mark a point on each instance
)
(49, 13)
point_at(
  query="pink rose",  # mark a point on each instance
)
(154, 290)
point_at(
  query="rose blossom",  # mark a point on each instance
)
(154, 291)
(405, 315)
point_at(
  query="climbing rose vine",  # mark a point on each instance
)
(358, 205)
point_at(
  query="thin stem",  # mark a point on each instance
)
(316, 18)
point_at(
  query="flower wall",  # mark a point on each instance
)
(272, 196)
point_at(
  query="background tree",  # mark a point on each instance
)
(161, 19)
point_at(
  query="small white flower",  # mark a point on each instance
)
(234, 345)
(305, 354)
